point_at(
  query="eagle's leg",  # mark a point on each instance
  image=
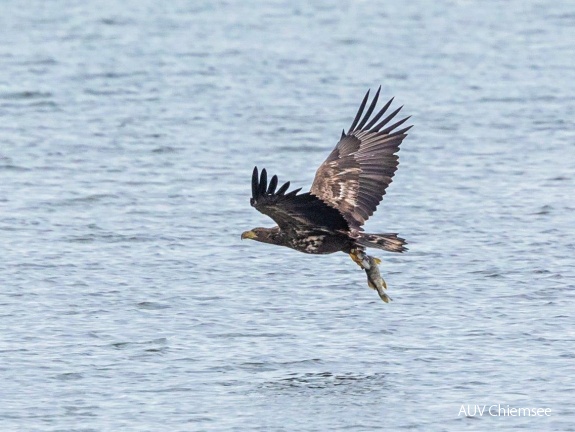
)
(369, 264)
(359, 257)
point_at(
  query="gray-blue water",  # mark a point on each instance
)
(128, 132)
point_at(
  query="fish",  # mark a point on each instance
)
(374, 279)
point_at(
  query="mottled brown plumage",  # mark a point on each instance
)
(355, 175)
(347, 188)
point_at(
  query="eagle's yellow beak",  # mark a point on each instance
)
(249, 235)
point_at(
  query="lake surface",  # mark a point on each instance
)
(129, 131)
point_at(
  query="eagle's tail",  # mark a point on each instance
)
(389, 241)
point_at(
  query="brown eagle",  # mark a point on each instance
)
(347, 188)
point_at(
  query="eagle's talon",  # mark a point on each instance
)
(360, 258)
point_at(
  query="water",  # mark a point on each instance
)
(129, 132)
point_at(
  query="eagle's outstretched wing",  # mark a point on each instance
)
(355, 175)
(291, 211)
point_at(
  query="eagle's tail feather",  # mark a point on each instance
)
(389, 241)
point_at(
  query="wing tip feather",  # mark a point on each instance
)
(255, 183)
(359, 112)
(263, 182)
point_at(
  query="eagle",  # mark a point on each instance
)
(347, 188)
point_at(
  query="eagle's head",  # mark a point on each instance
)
(264, 235)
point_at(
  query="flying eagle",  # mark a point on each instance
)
(347, 188)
